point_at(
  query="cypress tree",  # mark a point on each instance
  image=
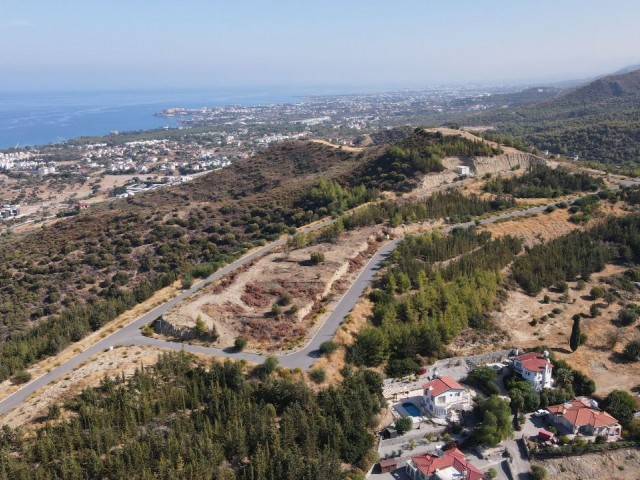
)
(574, 341)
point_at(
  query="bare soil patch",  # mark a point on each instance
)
(523, 317)
(621, 464)
(281, 298)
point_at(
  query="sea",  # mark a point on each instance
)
(28, 119)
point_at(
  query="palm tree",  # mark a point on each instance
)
(564, 376)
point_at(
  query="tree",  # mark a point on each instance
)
(627, 317)
(620, 404)
(496, 421)
(596, 292)
(371, 347)
(403, 425)
(574, 340)
(564, 376)
(201, 326)
(594, 311)
(631, 351)
(485, 378)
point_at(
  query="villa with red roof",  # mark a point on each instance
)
(535, 368)
(451, 465)
(444, 394)
(583, 416)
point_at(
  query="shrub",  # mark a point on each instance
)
(54, 412)
(285, 300)
(318, 375)
(316, 258)
(328, 347)
(240, 343)
(267, 368)
(187, 281)
(538, 472)
(21, 377)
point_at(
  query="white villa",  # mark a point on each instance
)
(535, 368)
(444, 394)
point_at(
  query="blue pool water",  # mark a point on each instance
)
(411, 409)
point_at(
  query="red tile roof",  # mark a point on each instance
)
(580, 412)
(441, 385)
(428, 464)
(533, 361)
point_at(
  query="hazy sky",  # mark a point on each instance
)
(87, 44)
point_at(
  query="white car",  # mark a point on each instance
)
(540, 413)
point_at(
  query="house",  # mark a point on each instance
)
(450, 465)
(463, 170)
(545, 435)
(583, 416)
(389, 432)
(387, 466)
(535, 368)
(444, 394)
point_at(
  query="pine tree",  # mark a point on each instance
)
(574, 341)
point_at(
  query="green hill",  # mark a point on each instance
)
(599, 121)
(104, 260)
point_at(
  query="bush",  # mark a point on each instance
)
(403, 425)
(631, 351)
(538, 472)
(627, 316)
(187, 281)
(285, 300)
(267, 368)
(54, 412)
(21, 377)
(316, 258)
(240, 343)
(318, 375)
(328, 347)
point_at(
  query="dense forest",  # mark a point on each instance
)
(178, 420)
(578, 254)
(599, 121)
(422, 303)
(542, 181)
(450, 205)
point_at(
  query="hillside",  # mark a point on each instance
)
(103, 261)
(599, 121)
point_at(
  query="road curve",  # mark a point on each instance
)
(130, 334)
(303, 358)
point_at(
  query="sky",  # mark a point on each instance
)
(131, 44)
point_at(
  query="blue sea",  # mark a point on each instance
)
(40, 118)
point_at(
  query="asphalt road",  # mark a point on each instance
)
(303, 358)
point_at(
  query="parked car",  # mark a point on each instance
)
(540, 413)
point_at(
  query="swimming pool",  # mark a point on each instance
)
(411, 409)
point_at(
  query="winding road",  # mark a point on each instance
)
(303, 358)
